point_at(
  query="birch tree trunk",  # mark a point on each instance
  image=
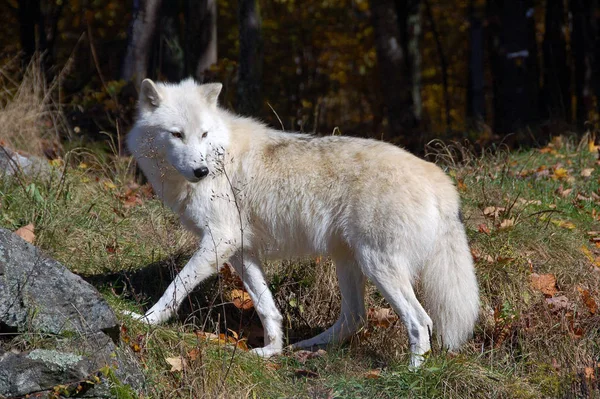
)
(135, 65)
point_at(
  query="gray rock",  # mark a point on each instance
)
(12, 163)
(39, 294)
(72, 363)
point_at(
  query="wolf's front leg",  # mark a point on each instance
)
(251, 272)
(203, 264)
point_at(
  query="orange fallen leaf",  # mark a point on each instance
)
(193, 354)
(241, 299)
(545, 283)
(381, 317)
(589, 373)
(373, 374)
(27, 233)
(588, 300)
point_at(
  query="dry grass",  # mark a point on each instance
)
(30, 118)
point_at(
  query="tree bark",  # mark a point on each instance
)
(200, 37)
(476, 88)
(581, 12)
(395, 75)
(249, 100)
(135, 65)
(557, 74)
(514, 67)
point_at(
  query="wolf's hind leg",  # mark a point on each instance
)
(392, 279)
(254, 280)
(352, 316)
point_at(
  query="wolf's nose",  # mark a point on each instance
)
(202, 171)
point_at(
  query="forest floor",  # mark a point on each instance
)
(533, 221)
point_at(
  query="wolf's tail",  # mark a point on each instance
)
(450, 286)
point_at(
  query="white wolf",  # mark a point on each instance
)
(252, 193)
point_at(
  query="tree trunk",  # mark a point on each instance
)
(410, 34)
(249, 100)
(557, 75)
(581, 13)
(200, 36)
(135, 65)
(476, 85)
(395, 75)
(514, 67)
(32, 29)
(595, 20)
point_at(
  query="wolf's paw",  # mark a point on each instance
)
(416, 360)
(266, 351)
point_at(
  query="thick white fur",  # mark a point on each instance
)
(381, 213)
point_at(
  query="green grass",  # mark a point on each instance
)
(87, 216)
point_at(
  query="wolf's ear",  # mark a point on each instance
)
(211, 92)
(149, 96)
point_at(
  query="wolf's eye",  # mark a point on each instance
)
(179, 135)
(204, 135)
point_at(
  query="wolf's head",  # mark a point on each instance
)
(180, 125)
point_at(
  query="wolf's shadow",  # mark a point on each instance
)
(205, 309)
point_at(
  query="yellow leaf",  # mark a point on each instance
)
(560, 173)
(82, 165)
(592, 147)
(109, 185)
(563, 223)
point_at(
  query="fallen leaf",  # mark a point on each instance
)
(493, 211)
(588, 300)
(193, 354)
(563, 223)
(592, 147)
(483, 228)
(587, 172)
(589, 373)
(373, 374)
(560, 173)
(545, 283)
(460, 184)
(241, 299)
(507, 224)
(381, 317)
(27, 233)
(176, 363)
(564, 192)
